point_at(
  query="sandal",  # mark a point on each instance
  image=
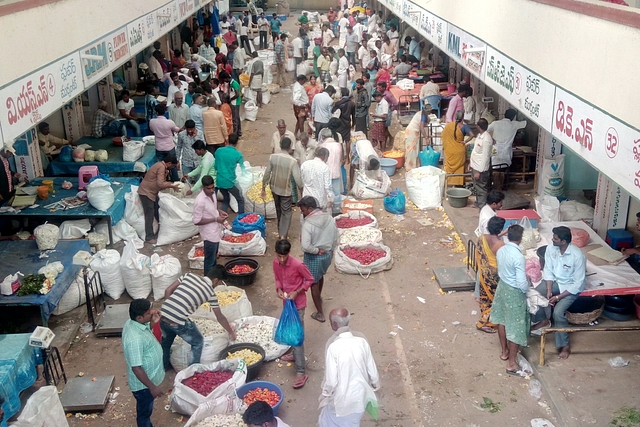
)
(300, 381)
(488, 329)
(288, 358)
(319, 317)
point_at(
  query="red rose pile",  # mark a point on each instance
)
(243, 238)
(263, 394)
(250, 218)
(241, 269)
(205, 382)
(353, 222)
(364, 256)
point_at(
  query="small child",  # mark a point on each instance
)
(383, 74)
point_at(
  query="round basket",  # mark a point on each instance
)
(585, 310)
(252, 370)
(242, 279)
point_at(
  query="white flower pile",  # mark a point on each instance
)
(360, 234)
(259, 333)
(208, 327)
(219, 420)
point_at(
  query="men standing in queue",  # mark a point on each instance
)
(321, 107)
(280, 170)
(509, 309)
(480, 163)
(563, 279)
(155, 180)
(215, 127)
(179, 111)
(282, 132)
(185, 153)
(182, 298)
(164, 129)
(503, 132)
(293, 280)
(319, 237)
(209, 221)
(227, 158)
(196, 110)
(350, 377)
(143, 355)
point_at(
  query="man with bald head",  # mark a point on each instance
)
(351, 377)
(282, 132)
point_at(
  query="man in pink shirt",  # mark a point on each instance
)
(457, 103)
(293, 280)
(209, 220)
(164, 129)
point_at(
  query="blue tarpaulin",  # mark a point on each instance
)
(17, 370)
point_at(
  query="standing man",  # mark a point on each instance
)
(298, 45)
(182, 298)
(335, 161)
(293, 280)
(456, 104)
(275, 28)
(278, 50)
(256, 78)
(563, 279)
(238, 61)
(351, 45)
(154, 181)
(321, 108)
(8, 178)
(188, 97)
(179, 111)
(350, 377)
(143, 355)
(363, 102)
(282, 166)
(215, 127)
(319, 238)
(164, 129)
(206, 166)
(196, 110)
(208, 219)
(488, 211)
(263, 26)
(185, 153)
(300, 103)
(304, 149)
(177, 86)
(225, 163)
(343, 69)
(236, 101)
(282, 132)
(316, 179)
(125, 109)
(509, 309)
(347, 117)
(480, 163)
(503, 132)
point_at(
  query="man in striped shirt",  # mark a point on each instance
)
(182, 298)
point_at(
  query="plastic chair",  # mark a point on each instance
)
(434, 100)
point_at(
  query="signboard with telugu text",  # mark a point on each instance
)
(29, 100)
(167, 18)
(186, 8)
(457, 43)
(142, 32)
(520, 87)
(114, 50)
(608, 144)
(433, 29)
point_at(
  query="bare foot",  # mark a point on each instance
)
(543, 324)
(513, 367)
(478, 300)
(564, 352)
(504, 355)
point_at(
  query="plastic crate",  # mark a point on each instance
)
(619, 239)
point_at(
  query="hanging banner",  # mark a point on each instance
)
(458, 41)
(186, 8)
(433, 29)
(609, 145)
(32, 98)
(520, 87)
(142, 32)
(114, 50)
(167, 18)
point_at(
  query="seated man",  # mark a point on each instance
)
(563, 280)
(105, 124)
(125, 108)
(49, 144)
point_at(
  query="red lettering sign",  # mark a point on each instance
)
(30, 99)
(582, 134)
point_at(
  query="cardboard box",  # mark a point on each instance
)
(357, 205)
(41, 337)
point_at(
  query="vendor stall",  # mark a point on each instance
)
(120, 186)
(18, 363)
(114, 164)
(24, 256)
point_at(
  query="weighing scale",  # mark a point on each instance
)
(113, 320)
(85, 394)
(455, 278)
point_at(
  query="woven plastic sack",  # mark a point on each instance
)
(74, 229)
(135, 272)
(234, 311)
(257, 246)
(132, 150)
(242, 227)
(395, 202)
(367, 188)
(196, 262)
(164, 271)
(289, 330)
(43, 409)
(213, 344)
(134, 214)
(100, 194)
(360, 235)
(425, 186)
(230, 406)
(107, 263)
(356, 215)
(75, 296)
(186, 400)
(176, 219)
(346, 265)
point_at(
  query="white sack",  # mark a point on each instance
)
(164, 271)
(367, 188)
(74, 229)
(176, 219)
(107, 263)
(346, 265)
(135, 272)
(43, 409)
(100, 194)
(257, 246)
(425, 186)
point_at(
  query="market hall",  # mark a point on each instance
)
(80, 152)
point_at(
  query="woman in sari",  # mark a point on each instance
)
(486, 249)
(312, 88)
(454, 137)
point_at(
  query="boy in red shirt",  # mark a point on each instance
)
(293, 280)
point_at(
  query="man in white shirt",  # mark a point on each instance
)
(196, 110)
(351, 376)
(316, 179)
(224, 26)
(480, 163)
(298, 45)
(488, 211)
(300, 103)
(155, 68)
(282, 132)
(304, 149)
(178, 85)
(125, 112)
(238, 60)
(372, 24)
(335, 160)
(321, 108)
(263, 26)
(343, 69)
(429, 89)
(179, 111)
(343, 23)
(207, 51)
(503, 132)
